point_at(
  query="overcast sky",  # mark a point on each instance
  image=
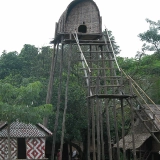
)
(33, 21)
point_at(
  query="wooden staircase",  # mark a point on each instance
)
(106, 81)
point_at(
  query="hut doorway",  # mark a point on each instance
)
(82, 29)
(21, 148)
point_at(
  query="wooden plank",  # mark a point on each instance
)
(111, 96)
(96, 52)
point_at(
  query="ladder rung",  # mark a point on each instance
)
(96, 52)
(104, 77)
(102, 60)
(96, 68)
(147, 120)
(86, 41)
(101, 86)
(92, 43)
(98, 60)
(154, 131)
(110, 96)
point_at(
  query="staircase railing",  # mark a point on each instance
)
(142, 99)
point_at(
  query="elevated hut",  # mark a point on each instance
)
(27, 141)
(81, 16)
(79, 32)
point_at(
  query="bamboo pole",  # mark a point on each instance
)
(51, 80)
(132, 121)
(108, 131)
(116, 130)
(107, 113)
(123, 131)
(89, 118)
(92, 112)
(101, 59)
(101, 132)
(66, 102)
(58, 106)
(132, 130)
(98, 120)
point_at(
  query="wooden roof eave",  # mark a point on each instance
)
(44, 129)
(3, 125)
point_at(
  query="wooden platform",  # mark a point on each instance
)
(81, 36)
(114, 96)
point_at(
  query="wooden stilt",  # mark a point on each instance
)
(58, 106)
(108, 131)
(93, 129)
(132, 129)
(98, 120)
(51, 80)
(116, 130)
(123, 131)
(101, 131)
(92, 112)
(107, 112)
(66, 101)
(89, 119)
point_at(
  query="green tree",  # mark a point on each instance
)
(28, 56)
(19, 103)
(10, 63)
(114, 43)
(151, 37)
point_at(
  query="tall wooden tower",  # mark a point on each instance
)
(80, 29)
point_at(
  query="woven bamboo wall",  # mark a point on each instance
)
(83, 13)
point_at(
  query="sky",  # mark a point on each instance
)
(33, 22)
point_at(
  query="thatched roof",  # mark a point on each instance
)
(139, 140)
(141, 133)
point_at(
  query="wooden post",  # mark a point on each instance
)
(93, 113)
(89, 118)
(66, 102)
(101, 131)
(98, 120)
(51, 81)
(132, 129)
(132, 121)
(93, 129)
(123, 131)
(70, 150)
(108, 131)
(107, 112)
(116, 130)
(58, 106)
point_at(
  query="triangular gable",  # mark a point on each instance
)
(19, 129)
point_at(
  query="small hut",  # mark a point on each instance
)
(146, 145)
(81, 16)
(27, 140)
